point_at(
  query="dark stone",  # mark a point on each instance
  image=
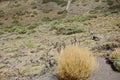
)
(96, 38)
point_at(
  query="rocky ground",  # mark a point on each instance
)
(33, 54)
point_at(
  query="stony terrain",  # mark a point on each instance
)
(31, 55)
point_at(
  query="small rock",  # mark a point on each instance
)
(96, 37)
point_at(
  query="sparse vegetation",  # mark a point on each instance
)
(75, 63)
(32, 31)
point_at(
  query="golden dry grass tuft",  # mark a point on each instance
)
(75, 63)
(115, 59)
(115, 53)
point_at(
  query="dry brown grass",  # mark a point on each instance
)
(115, 53)
(75, 63)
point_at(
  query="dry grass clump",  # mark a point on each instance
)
(115, 59)
(115, 53)
(75, 63)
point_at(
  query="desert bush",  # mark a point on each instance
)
(115, 58)
(75, 63)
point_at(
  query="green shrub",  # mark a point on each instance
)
(1, 23)
(111, 10)
(21, 30)
(2, 13)
(97, 0)
(15, 22)
(59, 2)
(34, 7)
(116, 62)
(18, 29)
(85, 18)
(1, 32)
(67, 30)
(79, 18)
(32, 26)
(46, 10)
(46, 19)
(62, 12)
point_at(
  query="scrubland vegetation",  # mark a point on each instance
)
(38, 37)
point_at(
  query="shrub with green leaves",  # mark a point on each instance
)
(46, 10)
(46, 19)
(18, 29)
(111, 10)
(32, 26)
(67, 30)
(1, 13)
(59, 2)
(116, 62)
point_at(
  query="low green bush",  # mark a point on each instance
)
(46, 19)
(2, 13)
(111, 10)
(32, 26)
(67, 30)
(59, 2)
(46, 10)
(18, 29)
(116, 62)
